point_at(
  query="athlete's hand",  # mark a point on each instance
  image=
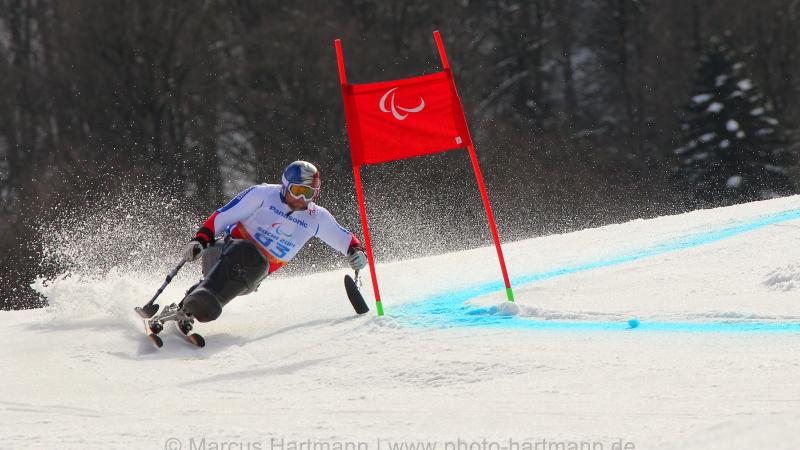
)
(357, 258)
(192, 250)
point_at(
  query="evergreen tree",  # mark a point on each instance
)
(734, 150)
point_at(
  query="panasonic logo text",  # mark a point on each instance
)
(286, 216)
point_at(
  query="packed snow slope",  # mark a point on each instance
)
(714, 363)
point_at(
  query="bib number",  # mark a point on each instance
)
(279, 250)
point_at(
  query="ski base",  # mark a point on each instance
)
(156, 340)
(197, 340)
(152, 328)
(172, 313)
(193, 338)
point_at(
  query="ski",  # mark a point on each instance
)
(153, 337)
(183, 325)
(184, 329)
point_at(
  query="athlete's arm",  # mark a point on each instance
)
(236, 210)
(333, 234)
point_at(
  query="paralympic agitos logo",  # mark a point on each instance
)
(277, 227)
(394, 109)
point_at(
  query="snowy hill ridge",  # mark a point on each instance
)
(714, 363)
(781, 278)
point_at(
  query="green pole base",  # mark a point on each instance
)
(379, 305)
(510, 294)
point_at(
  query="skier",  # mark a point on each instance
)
(265, 226)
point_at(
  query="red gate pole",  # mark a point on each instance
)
(479, 177)
(367, 243)
(359, 189)
(490, 216)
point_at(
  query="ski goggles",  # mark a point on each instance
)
(303, 191)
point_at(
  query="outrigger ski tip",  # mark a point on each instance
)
(354, 294)
(147, 311)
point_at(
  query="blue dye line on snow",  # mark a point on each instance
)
(449, 309)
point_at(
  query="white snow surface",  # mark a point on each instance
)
(715, 363)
